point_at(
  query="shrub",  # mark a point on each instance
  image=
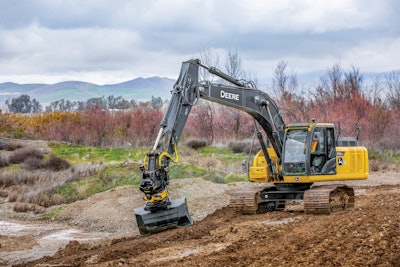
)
(6, 180)
(196, 144)
(12, 146)
(55, 163)
(38, 187)
(25, 207)
(3, 162)
(244, 147)
(21, 155)
(236, 147)
(12, 196)
(31, 163)
(3, 193)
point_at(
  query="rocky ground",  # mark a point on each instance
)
(102, 231)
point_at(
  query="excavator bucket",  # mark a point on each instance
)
(177, 215)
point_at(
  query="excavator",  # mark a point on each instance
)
(291, 160)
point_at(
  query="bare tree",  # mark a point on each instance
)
(233, 65)
(352, 83)
(112, 101)
(375, 91)
(284, 83)
(284, 87)
(204, 115)
(61, 105)
(393, 85)
(210, 58)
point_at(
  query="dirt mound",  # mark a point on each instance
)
(113, 211)
(102, 231)
(369, 235)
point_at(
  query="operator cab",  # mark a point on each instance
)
(309, 149)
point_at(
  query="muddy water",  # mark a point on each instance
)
(27, 241)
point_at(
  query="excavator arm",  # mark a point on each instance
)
(155, 177)
(160, 212)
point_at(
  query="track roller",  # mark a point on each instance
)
(328, 199)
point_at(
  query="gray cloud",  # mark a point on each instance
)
(109, 40)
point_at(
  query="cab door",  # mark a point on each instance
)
(322, 151)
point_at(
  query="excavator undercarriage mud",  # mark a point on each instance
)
(261, 199)
(246, 200)
(174, 216)
(326, 199)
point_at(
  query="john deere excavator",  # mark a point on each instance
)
(292, 157)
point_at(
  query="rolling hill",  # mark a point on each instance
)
(139, 89)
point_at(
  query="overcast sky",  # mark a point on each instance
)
(100, 41)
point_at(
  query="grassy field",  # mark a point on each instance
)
(32, 182)
(35, 180)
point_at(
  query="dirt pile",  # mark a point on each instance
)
(102, 231)
(369, 235)
(113, 211)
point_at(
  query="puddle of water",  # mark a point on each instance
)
(49, 237)
(48, 232)
(17, 229)
(73, 234)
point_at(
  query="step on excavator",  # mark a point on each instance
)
(291, 159)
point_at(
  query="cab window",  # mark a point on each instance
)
(294, 151)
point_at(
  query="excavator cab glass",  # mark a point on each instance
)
(294, 158)
(309, 151)
(322, 150)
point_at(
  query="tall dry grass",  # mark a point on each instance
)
(38, 187)
(20, 155)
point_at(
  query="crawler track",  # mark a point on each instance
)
(324, 199)
(246, 200)
(328, 199)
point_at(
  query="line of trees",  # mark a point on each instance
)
(339, 96)
(25, 105)
(343, 97)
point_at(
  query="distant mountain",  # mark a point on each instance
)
(139, 89)
(143, 83)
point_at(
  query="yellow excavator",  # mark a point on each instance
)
(291, 159)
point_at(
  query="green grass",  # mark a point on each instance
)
(222, 153)
(106, 178)
(178, 171)
(77, 153)
(52, 214)
(189, 171)
(384, 155)
(115, 171)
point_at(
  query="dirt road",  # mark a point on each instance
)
(369, 235)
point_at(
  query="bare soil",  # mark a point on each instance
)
(101, 231)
